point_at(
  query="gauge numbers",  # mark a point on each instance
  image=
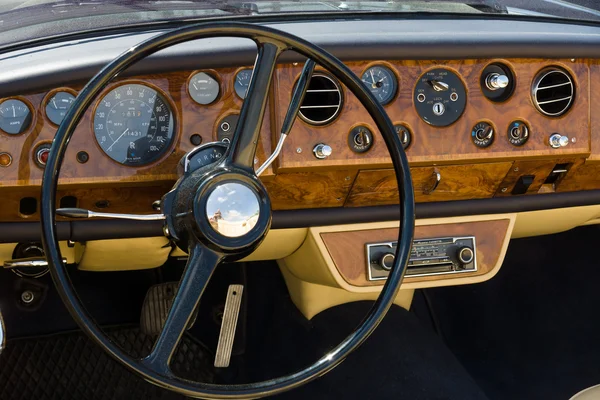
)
(15, 116)
(134, 124)
(58, 105)
(242, 81)
(203, 88)
(381, 81)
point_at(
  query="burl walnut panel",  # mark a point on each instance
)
(451, 144)
(458, 182)
(191, 118)
(347, 249)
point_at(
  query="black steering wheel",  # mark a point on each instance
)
(191, 220)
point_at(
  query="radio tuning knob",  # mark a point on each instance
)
(387, 261)
(495, 81)
(465, 255)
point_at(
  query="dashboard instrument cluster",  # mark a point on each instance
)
(471, 129)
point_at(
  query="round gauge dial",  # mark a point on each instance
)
(203, 88)
(382, 82)
(58, 105)
(134, 124)
(15, 116)
(242, 81)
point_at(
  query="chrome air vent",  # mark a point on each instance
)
(323, 100)
(553, 91)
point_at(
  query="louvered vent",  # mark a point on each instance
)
(323, 100)
(553, 91)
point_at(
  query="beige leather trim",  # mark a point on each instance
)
(544, 222)
(311, 298)
(591, 393)
(278, 243)
(125, 254)
(313, 263)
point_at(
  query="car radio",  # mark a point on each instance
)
(436, 256)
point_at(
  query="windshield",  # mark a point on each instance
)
(31, 19)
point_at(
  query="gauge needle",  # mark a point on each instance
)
(14, 112)
(194, 85)
(54, 102)
(124, 132)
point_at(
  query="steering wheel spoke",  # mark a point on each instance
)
(245, 139)
(200, 267)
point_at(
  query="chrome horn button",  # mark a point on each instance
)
(232, 209)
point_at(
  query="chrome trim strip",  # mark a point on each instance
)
(149, 217)
(2, 334)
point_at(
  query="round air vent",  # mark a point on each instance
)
(553, 91)
(323, 100)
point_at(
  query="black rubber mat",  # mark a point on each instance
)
(70, 366)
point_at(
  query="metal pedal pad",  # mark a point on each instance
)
(228, 325)
(156, 307)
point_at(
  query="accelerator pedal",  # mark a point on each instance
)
(156, 307)
(228, 326)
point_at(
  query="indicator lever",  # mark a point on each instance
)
(83, 213)
(292, 112)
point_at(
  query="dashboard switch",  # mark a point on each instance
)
(322, 151)
(360, 139)
(482, 134)
(518, 133)
(5, 160)
(495, 81)
(41, 154)
(557, 141)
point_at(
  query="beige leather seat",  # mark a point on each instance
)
(591, 393)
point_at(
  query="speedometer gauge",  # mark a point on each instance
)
(134, 124)
(382, 82)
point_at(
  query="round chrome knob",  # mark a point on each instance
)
(322, 151)
(557, 140)
(387, 261)
(465, 255)
(495, 81)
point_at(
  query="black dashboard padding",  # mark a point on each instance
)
(40, 68)
(12, 232)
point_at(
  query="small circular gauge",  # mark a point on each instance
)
(242, 81)
(58, 105)
(134, 124)
(382, 82)
(15, 116)
(440, 97)
(203, 88)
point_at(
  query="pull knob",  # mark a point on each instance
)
(465, 255)
(495, 81)
(439, 86)
(557, 141)
(322, 151)
(387, 261)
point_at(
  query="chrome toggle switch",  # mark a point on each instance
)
(557, 141)
(322, 151)
(495, 81)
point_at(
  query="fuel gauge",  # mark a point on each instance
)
(242, 81)
(58, 105)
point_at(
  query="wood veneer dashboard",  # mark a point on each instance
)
(446, 164)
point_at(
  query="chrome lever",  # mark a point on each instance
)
(2, 334)
(83, 213)
(292, 112)
(38, 262)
